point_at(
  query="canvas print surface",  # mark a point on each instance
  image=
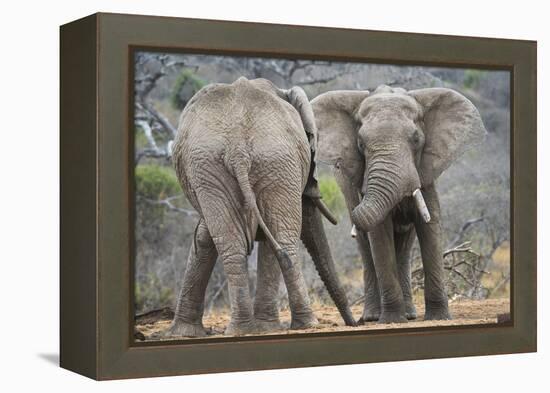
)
(276, 196)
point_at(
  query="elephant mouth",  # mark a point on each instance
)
(364, 216)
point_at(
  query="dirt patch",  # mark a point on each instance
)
(464, 312)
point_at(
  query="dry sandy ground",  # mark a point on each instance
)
(464, 312)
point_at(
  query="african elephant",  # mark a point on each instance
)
(388, 148)
(244, 156)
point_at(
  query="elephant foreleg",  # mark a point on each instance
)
(266, 302)
(382, 243)
(190, 307)
(403, 246)
(429, 237)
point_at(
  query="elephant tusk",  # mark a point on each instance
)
(353, 231)
(324, 209)
(421, 205)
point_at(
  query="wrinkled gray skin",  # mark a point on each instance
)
(243, 155)
(384, 145)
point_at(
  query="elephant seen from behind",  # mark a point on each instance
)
(245, 158)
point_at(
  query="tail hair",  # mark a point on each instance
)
(241, 173)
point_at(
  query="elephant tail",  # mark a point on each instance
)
(241, 174)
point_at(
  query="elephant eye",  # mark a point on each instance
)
(360, 145)
(415, 137)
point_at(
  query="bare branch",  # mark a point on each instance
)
(216, 295)
(148, 134)
(501, 283)
(168, 204)
(465, 227)
(159, 117)
(151, 153)
(464, 247)
(469, 268)
(359, 300)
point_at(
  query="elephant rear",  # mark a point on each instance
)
(238, 146)
(243, 155)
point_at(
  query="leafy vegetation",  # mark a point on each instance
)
(156, 182)
(332, 196)
(186, 85)
(472, 78)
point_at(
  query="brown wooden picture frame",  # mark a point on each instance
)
(97, 196)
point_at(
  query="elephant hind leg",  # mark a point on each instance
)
(190, 307)
(266, 302)
(282, 211)
(298, 298)
(228, 227)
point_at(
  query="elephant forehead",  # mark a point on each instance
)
(390, 104)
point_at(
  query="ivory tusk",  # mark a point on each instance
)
(324, 210)
(353, 231)
(421, 205)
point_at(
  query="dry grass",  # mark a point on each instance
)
(464, 312)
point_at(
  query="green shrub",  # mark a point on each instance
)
(186, 85)
(332, 196)
(472, 78)
(156, 182)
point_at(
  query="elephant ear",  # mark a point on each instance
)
(337, 131)
(298, 99)
(452, 125)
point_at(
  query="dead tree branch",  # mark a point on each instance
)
(157, 116)
(465, 227)
(217, 294)
(167, 203)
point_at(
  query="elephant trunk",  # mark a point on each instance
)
(387, 183)
(315, 241)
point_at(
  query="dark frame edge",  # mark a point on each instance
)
(291, 25)
(524, 194)
(78, 197)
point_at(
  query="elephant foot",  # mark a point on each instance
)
(370, 314)
(392, 317)
(437, 314)
(410, 309)
(240, 328)
(185, 329)
(266, 326)
(304, 321)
